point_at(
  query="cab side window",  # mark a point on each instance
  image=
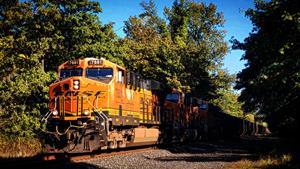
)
(130, 80)
(121, 76)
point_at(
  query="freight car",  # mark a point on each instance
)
(97, 104)
(222, 125)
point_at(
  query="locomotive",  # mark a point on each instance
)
(96, 104)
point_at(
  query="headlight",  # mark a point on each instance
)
(76, 84)
(86, 112)
(55, 112)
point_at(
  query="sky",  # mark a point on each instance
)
(236, 24)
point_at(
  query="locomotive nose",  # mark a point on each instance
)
(58, 89)
(65, 97)
(70, 84)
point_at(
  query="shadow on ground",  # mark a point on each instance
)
(223, 151)
(37, 162)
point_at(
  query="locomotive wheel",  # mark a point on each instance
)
(113, 144)
(122, 144)
(94, 142)
(69, 147)
(72, 143)
(50, 142)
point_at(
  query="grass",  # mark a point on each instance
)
(282, 161)
(21, 147)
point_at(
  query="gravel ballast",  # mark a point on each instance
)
(207, 156)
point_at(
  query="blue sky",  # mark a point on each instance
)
(236, 24)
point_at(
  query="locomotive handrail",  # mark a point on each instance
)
(105, 118)
(55, 101)
(47, 115)
(100, 114)
(45, 118)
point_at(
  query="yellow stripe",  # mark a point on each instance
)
(115, 112)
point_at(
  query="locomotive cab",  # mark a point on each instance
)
(71, 96)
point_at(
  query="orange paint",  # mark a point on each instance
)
(108, 94)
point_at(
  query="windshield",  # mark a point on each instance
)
(65, 73)
(101, 74)
(173, 97)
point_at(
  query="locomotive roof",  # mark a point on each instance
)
(83, 62)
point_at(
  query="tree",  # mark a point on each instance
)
(72, 31)
(270, 81)
(35, 37)
(197, 27)
(23, 83)
(228, 102)
(149, 49)
(178, 18)
(185, 50)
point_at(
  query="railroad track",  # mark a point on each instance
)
(95, 155)
(56, 159)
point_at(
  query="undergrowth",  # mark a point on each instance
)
(19, 147)
(272, 161)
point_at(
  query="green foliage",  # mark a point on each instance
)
(187, 49)
(35, 37)
(227, 99)
(178, 17)
(73, 31)
(270, 82)
(23, 84)
(149, 50)
(22, 98)
(205, 49)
